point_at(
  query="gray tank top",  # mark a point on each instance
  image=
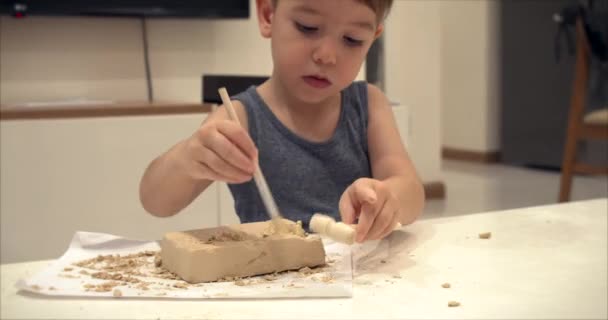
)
(305, 177)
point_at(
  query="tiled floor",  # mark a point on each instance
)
(473, 187)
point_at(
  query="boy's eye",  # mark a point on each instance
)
(305, 29)
(352, 41)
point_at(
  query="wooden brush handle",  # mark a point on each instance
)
(258, 176)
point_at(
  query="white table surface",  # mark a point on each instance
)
(545, 262)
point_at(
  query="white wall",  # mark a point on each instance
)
(56, 58)
(45, 59)
(469, 75)
(413, 67)
(182, 50)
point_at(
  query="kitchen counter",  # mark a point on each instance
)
(540, 262)
(69, 110)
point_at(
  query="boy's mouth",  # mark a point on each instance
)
(317, 81)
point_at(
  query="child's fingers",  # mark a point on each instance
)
(364, 198)
(353, 197)
(363, 191)
(239, 137)
(366, 221)
(229, 152)
(212, 160)
(382, 221)
(347, 208)
(203, 163)
(390, 227)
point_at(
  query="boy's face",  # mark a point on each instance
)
(318, 46)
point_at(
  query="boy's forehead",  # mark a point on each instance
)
(347, 9)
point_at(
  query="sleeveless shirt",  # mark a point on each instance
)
(305, 177)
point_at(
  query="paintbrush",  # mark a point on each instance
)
(258, 176)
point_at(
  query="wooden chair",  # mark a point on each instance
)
(581, 126)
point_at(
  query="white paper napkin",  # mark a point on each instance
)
(62, 278)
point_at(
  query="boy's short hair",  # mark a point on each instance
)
(380, 7)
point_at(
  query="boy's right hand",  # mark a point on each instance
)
(219, 150)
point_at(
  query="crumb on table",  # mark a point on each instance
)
(485, 235)
(453, 304)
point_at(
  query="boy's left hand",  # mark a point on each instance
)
(375, 206)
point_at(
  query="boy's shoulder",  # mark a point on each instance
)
(365, 89)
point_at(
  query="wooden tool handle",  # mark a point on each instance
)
(258, 177)
(337, 231)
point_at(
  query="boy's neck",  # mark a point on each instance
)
(314, 122)
(279, 100)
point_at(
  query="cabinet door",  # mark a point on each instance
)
(535, 88)
(62, 176)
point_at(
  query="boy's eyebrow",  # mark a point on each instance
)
(306, 9)
(364, 25)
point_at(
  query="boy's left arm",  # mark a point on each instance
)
(394, 193)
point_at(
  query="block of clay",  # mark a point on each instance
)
(239, 251)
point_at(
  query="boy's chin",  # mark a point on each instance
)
(315, 95)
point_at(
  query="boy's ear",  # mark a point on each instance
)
(265, 14)
(379, 31)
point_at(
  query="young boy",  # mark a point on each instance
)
(324, 143)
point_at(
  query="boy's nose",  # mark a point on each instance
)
(325, 53)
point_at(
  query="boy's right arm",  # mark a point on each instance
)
(219, 150)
